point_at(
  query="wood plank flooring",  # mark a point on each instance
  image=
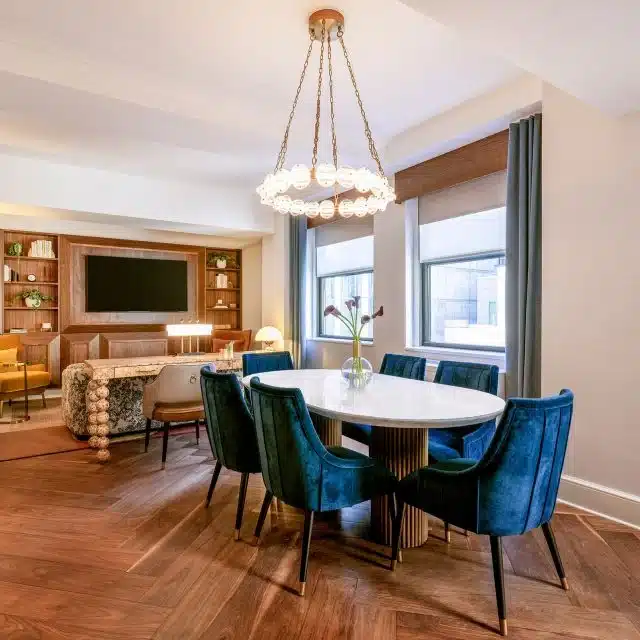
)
(127, 551)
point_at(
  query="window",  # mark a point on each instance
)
(463, 281)
(344, 270)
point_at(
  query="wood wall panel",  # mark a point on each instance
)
(43, 347)
(133, 345)
(78, 347)
(472, 161)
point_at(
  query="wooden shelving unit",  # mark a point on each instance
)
(16, 315)
(229, 318)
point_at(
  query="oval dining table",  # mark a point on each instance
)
(400, 412)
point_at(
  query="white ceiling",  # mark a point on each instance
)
(588, 48)
(199, 90)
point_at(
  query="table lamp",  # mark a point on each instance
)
(189, 330)
(268, 335)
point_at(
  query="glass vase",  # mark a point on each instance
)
(356, 370)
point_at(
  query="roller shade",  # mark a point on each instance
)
(488, 192)
(344, 229)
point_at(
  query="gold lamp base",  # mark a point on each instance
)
(332, 20)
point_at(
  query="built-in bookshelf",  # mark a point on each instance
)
(30, 262)
(223, 288)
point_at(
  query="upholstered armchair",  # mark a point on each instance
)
(509, 491)
(174, 396)
(464, 442)
(241, 339)
(392, 365)
(231, 432)
(299, 470)
(263, 362)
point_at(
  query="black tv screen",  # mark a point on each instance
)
(136, 284)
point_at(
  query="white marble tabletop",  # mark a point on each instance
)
(387, 401)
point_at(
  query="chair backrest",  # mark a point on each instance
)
(230, 426)
(268, 361)
(177, 383)
(471, 375)
(520, 471)
(241, 339)
(403, 366)
(291, 452)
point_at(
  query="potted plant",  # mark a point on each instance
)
(14, 249)
(219, 260)
(33, 298)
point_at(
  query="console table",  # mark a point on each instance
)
(101, 371)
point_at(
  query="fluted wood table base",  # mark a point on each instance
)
(402, 451)
(329, 430)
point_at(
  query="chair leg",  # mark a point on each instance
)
(396, 533)
(165, 443)
(498, 578)
(555, 554)
(44, 401)
(147, 435)
(266, 503)
(214, 480)
(1, 408)
(197, 431)
(306, 543)
(244, 481)
(447, 533)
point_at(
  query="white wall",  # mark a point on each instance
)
(590, 301)
(252, 287)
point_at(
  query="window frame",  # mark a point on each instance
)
(425, 301)
(320, 311)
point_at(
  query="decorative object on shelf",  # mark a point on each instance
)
(326, 25)
(268, 335)
(228, 350)
(220, 305)
(356, 370)
(45, 326)
(33, 298)
(31, 277)
(222, 281)
(7, 273)
(14, 249)
(41, 249)
(189, 330)
(17, 330)
(232, 305)
(219, 260)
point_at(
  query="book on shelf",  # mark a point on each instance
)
(41, 249)
(17, 330)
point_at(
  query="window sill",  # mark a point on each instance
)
(345, 341)
(462, 355)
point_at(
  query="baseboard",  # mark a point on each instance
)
(600, 500)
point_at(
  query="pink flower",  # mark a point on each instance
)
(365, 319)
(330, 311)
(356, 302)
(350, 304)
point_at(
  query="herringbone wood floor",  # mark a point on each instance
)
(126, 551)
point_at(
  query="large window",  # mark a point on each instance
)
(344, 270)
(463, 281)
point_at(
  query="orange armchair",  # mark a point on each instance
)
(241, 339)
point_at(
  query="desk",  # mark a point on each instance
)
(401, 412)
(101, 371)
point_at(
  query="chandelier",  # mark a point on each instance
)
(373, 189)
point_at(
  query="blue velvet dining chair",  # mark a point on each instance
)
(231, 432)
(392, 365)
(267, 361)
(471, 441)
(301, 472)
(509, 491)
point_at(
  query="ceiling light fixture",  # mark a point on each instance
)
(326, 25)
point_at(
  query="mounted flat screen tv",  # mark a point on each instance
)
(135, 284)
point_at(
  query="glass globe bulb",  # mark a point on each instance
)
(363, 180)
(325, 175)
(373, 204)
(297, 207)
(360, 207)
(345, 208)
(282, 204)
(281, 181)
(300, 176)
(327, 209)
(312, 209)
(345, 177)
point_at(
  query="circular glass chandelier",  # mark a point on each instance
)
(373, 191)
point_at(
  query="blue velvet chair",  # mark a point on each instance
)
(231, 432)
(268, 361)
(464, 442)
(509, 491)
(299, 470)
(392, 365)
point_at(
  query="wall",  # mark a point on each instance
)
(252, 287)
(590, 305)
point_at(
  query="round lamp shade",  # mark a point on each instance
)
(268, 334)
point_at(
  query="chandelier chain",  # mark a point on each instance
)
(334, 140)
(316, 134)
(367, 129)
(285, 140)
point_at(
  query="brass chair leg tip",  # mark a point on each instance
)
(236, 534)
(393, 565)
(303, 586)
(565, 584)
(255, 541)
(447, 537)
(503, 627)
(400, 560)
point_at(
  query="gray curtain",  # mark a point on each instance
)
(524, 238)
(297, 280)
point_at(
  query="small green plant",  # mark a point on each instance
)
(35, 296)
(14, 249)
